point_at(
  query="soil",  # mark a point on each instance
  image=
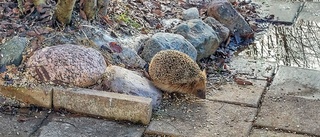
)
(124, 18)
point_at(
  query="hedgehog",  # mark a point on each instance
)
(174, 71)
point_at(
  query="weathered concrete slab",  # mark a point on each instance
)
(248, 95)
(253, 68)
(40, 96)
(267, 133)
(284, 12)
(19, 125)
(285, 74)
(311, 12)
(292, 102)
(89, 127)
(202, 118)
(105, 104)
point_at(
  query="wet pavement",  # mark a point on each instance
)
(289, 106)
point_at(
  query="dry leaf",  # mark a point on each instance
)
(158, 12)
(241, 81)
(115, 47)
(83, 15)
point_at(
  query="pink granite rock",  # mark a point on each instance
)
(67, 64)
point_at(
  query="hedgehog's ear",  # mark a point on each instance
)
(204, 73)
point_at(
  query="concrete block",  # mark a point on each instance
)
(105, 104)
(39, 96)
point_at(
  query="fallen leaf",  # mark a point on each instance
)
(15, 10)
(158, 12)
(83, 15)
(241, 81)
(115, 47)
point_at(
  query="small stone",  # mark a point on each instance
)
(191, 13)
(11, 51)
(170, 23)
(129, 58)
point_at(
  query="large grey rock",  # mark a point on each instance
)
(223, 32)
(191, 13)
(200, 35)
(224, 12)
(67, 64)
(121, 80)
(163, 41)
(88, 127)
(11, 51)
(125, 53)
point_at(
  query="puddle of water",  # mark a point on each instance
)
(297, 45)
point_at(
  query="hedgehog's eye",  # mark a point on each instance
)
(201, 94)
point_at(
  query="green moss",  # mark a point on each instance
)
(126, 19)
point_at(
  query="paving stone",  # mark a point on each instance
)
(248, 95)
(253, 68)
(307, 77)
(105, 104)
(89, 127)
(202, 118)
(19, 125)
(310, 11)
(284, 12)
(40, 96)
(292, 102)
(267, 133)
(160, 128)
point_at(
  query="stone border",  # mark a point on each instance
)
(87, 101)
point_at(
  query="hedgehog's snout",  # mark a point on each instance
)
(201, 94)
